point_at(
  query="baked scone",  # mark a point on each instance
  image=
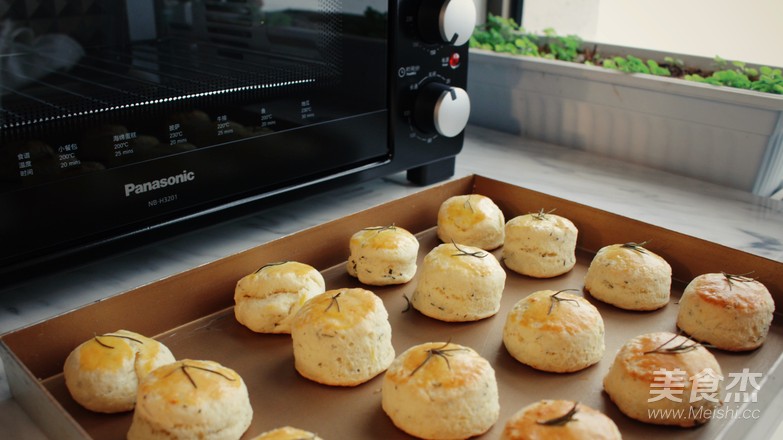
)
(629, 276)
(441, 390)
(731, 312)
(459, 283)
(541, 245)
(665, 379)
(267, 299)
(102, 374)
(342, 337)
(383, 255)
(473, 220)
(287, 433)
(554, 331)
(191, 399)
(559, 419)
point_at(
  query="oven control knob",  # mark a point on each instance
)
(441, 109)
(447, 21)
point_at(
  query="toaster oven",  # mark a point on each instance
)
(122, 122)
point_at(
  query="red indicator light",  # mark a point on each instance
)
(454, 60)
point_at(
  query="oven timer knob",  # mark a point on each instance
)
(441, 109)
(447, 21)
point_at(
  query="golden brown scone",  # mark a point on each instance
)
(653, 377)
(102, 374)
(541, 245)
(267, 299)
(473, 220)
(191, 399)
(629, 276)
(440, 390)
(554, 331)
(287, 433)
(731, 312)
(383, 255)
(459, 283)
(559, 420)
(342, 337)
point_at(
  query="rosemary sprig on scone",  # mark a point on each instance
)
(463, 253)
(556, 299)
(107, 335)
(743, 278)
(381, 228)
(184, 368)
(334, 302)
(561, 420)
(441, 352)
(276, 263)
(638, 247)
(467, 204)
(541, 215)
(682, 347)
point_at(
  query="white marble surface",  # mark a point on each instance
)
(733, 218)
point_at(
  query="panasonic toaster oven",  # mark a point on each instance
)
(120, 120)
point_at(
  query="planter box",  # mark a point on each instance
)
(718, 134)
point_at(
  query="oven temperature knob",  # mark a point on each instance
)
(441, 108)
(447, 21)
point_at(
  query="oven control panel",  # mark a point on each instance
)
(432, 105)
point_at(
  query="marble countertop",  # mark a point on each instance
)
(726, 216)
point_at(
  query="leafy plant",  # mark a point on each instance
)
(504, 35)
(632, 64)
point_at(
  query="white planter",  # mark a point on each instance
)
(728, 136)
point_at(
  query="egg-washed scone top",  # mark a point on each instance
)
(629, 276)
(267, 299)
(473, 220)
(540, 245)
(191, 399)
(342, 337)
(441, 390)
(730, 312)
(102, 374)
(459, 283)
(561, 420)
(554, 331)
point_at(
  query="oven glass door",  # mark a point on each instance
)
(118, 116)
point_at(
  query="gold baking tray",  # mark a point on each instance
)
(192, 314)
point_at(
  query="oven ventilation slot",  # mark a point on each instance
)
(167, 73)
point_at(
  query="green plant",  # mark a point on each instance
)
(565, 48)
(504, 35)
(632, 64)
(738, 74)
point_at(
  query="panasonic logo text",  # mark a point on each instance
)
(152, 185)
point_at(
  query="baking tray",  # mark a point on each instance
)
(192, 314)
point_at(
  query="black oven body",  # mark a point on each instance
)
(122, 122)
